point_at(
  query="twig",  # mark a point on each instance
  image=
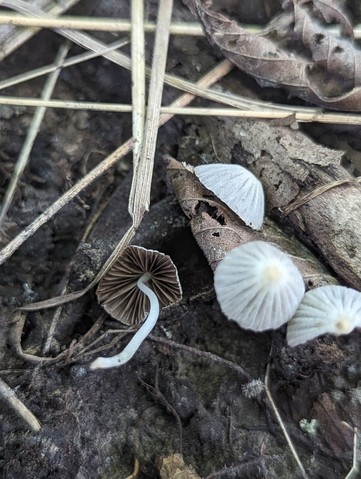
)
(19, 407)
(355, 470)
(111, 25)
(203, 354)
(101, 24)
(11, 41)
(266, 114)
(135, 472)
(157, 394)
(75, 60)
(281, 424)
(33, 131)
(232, 470)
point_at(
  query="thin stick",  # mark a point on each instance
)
(139, 196)
(111, 25)
(100, 24)
(11, 41)
(209, 79)
(138, 78)
(19, 407)
(33, 131)
(204, 354)
(268, 113)
(281, 424)
(30, 75)
(123, 60)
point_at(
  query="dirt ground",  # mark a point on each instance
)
(168, 399)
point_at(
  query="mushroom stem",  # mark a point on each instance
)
(133, 346)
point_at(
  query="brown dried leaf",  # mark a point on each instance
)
(217, 230)
(338, 58)
(173, 467)
(331, 77)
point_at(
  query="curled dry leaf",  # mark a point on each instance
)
(218, 230)
(173, 467)
(326, 72)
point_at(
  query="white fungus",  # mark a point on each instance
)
(328, 309)
(238, 188)
(258, 286)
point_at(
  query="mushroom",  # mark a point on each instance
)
(139, 283)
(258, 286)
(238, 188)
(327, 309)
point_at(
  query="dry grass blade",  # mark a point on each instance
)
(111, 25)
(99, 24)
(140, 191)
(297, 115)
(10, 397)
(120, 59)
(30, 75)
(32, 133)
(11, 38)
(209, 79)
(281, 424)
(138, 77)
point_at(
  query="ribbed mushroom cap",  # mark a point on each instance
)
(238, 188)
(328, 309)
(258, 286)
(119, 294)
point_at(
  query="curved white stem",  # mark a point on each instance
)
(134, 344)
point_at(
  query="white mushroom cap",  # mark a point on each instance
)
(238, 188)
(328, 309)
(258, 286)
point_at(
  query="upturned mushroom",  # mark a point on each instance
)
(327, 309)
(258, 286)
(238, 188)
(139, 283)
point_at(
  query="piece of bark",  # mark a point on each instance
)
(290, 165)
(217, 230)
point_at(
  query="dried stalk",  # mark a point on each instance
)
(33, 131)
(139, 197)
(19, 407)
(296, 116)
(212, 77)
(138, 78)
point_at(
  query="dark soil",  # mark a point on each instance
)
(166, 400)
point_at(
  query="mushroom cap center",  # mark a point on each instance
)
(344, 324)
(273, 273)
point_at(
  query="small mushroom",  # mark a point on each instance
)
(238, 188)
(327, 309)
(139, 283)
(258, 286)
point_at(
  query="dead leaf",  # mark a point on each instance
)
(173, 467)
(330, 77)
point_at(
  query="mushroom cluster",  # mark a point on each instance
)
(134, 289)
(257, 285)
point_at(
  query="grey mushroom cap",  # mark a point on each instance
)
(119, 294)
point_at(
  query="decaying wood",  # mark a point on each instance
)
(290, 165)
(217, 230)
